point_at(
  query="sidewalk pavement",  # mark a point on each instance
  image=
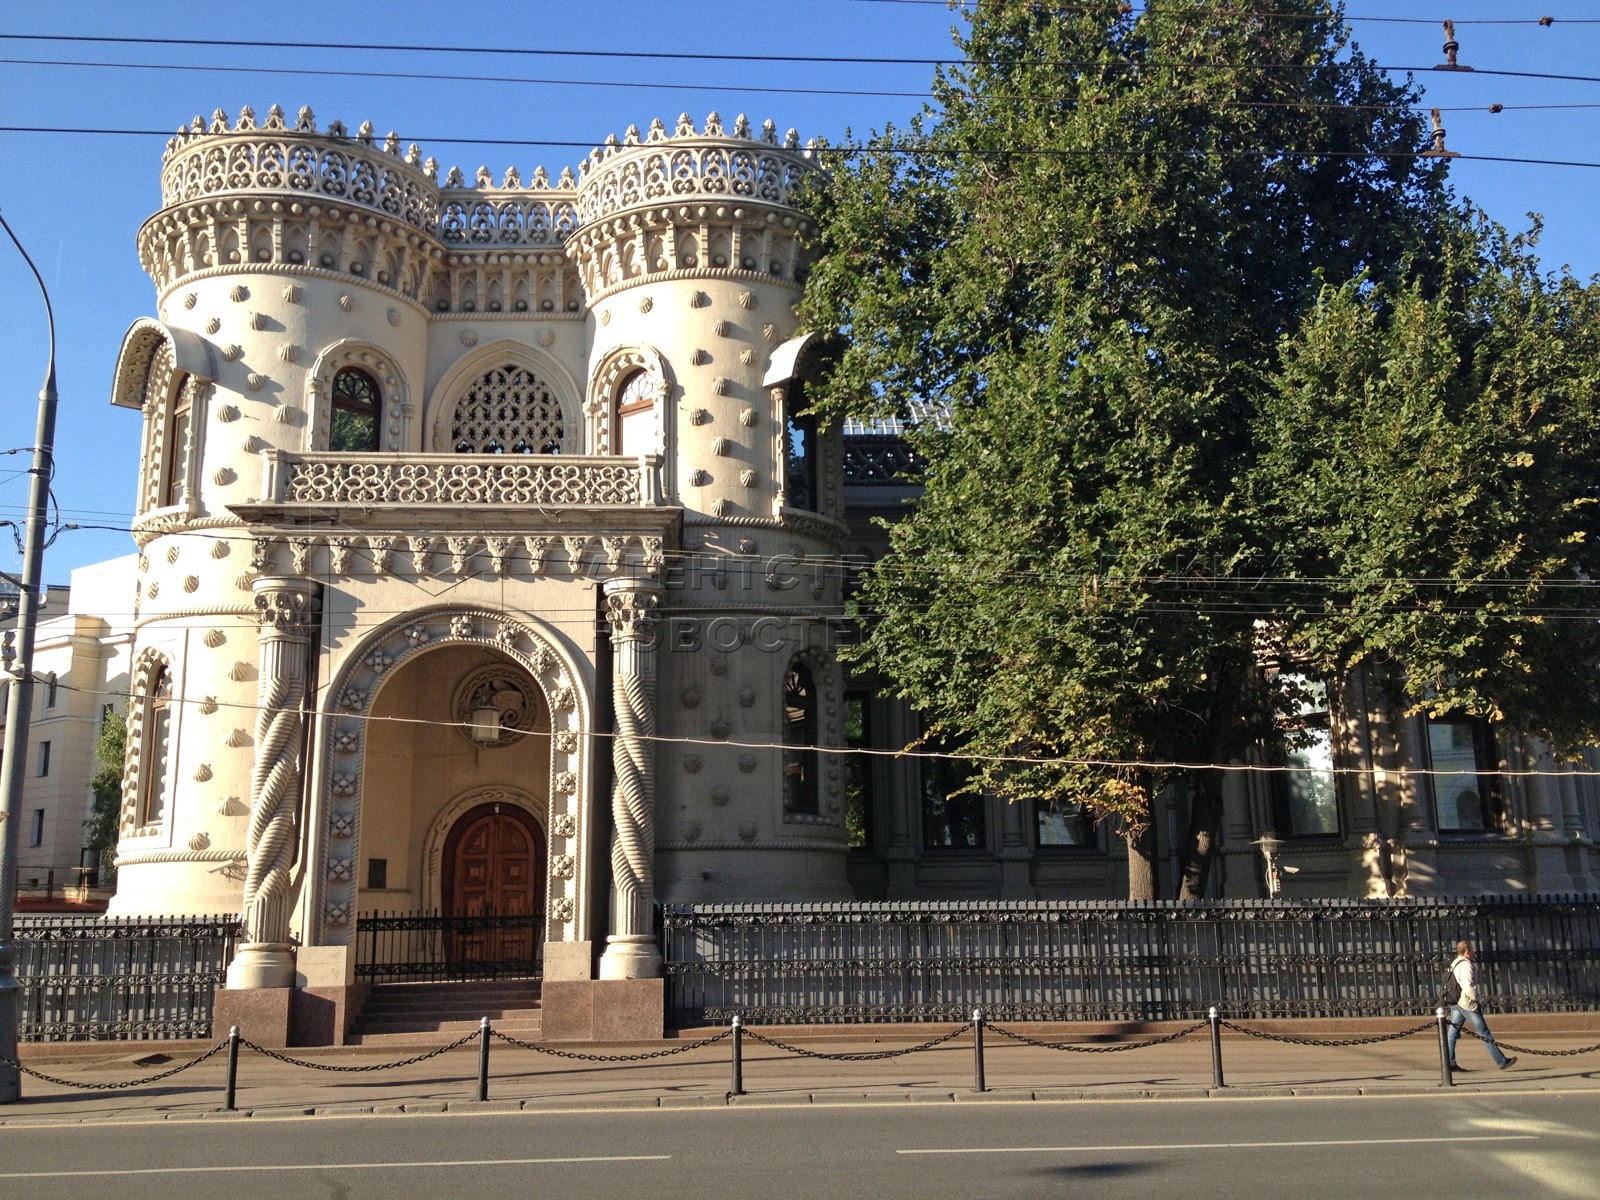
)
(689, 1072)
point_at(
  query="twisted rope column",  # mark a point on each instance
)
(631, 950)
(287, 610)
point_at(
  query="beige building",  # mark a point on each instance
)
(81, 657)
(483, 554)
(489, 565)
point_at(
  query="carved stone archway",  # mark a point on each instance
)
(342, 724)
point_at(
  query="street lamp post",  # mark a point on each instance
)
(21, 699)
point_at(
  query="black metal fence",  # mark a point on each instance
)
(417, 947)
(1127, 960)
(120, 978)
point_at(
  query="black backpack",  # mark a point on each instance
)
(1451, 994)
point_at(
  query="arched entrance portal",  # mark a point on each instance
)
(493, 888)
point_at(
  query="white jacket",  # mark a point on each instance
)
(1466, 973)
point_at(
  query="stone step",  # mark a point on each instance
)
(435, 1037)
(520, 987)
(431, 1013)
(448, 1028)
(481, 1005)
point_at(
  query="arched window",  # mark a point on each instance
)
(357, 408)
(637, 428)
(155, 740)
(799, 450)
(177, 448)
(508, 411)
(800, 736)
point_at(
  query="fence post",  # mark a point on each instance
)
(1216, 1047)
(1446, 1079)
(233, 1067)
(737, 1088)
(483, 1059)
(977, 1051)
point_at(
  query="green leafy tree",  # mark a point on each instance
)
(1086, 257)
(1433, 457)
(100, 830)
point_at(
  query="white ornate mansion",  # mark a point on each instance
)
(488, 562)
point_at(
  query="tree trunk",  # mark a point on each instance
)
(1226, 740)
(1200, 843)
(1142, 878)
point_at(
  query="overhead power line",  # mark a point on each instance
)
(814, 59)
(913, 752)
(724, 88)
(333, 73)
(1545, 22)
(1042, 151)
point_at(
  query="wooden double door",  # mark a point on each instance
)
(493, 887)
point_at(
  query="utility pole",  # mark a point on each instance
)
(21, 698)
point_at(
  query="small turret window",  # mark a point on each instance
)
(509, 410)
(799, 448)
(177, 448)
(154, 747)
(800, 729)
(357, 408)
(638, 430)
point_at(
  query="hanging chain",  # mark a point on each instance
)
(1529, 1050)
(1077, 1049)
(114, 1087)
(579, 1057)
(316, 1066)
(874, 1056)
(1292, 1040)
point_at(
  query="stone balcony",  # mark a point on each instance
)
(454, 490)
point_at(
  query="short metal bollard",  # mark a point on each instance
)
(1216, 1047)
(736, 1087)
(233, 1067)
(1446, 1079)
(977, 1051)
(483, 1059)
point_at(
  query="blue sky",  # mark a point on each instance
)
(77, 199)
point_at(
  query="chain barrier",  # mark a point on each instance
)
(316, 1066)
(1529, 1049)
(1076, 1049)
(873, 1056)
(114, 1087)
(1292, 1040)
(601, 1058)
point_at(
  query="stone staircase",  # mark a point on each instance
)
(430, 1014)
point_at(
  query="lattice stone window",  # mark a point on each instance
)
(508, 411)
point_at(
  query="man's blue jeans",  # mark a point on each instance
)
(1460, 1016)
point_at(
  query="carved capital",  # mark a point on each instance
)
(631, 609)
(287, 606)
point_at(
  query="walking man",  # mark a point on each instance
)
(1468, 1009)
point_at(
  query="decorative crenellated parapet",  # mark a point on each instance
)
(691, 201)
(290, 195)
(288, 611)
(211, 159)
(631, 609)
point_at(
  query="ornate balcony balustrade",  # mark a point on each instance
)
(498, 481)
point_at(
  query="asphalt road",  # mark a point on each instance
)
(1508, 1144)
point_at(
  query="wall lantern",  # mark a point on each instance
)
(485, 726)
